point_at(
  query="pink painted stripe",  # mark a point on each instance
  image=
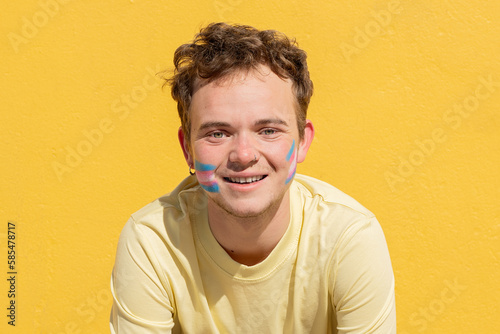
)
(208, 184)
(292, 170)
(293, 166)
(205, 177)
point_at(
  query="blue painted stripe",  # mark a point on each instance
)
(289, 155)
(213, 188)
(203, 167)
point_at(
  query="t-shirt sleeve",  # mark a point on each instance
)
(362, 281)
(141, 304)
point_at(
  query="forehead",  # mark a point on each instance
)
(242, 95)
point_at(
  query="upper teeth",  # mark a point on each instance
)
(245, 179)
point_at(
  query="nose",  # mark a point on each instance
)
(244, 151)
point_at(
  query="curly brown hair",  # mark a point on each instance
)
(222, 49)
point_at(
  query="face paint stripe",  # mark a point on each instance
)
(291, 175)
(205, 177)
(208, 184)
(213, 188)
(203, 167)
(292, 150)
(292, 170)
(291, 156)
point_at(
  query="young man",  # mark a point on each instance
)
(244, 245)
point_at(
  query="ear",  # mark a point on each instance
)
(306, 142)
(185, 147)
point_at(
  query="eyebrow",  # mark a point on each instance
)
(271, 121)
(216, 124)
(208, 125)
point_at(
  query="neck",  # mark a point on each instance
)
(249, 240)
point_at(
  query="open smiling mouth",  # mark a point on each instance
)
(245, 180)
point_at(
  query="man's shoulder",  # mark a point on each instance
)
(176, 202)
(330, 215)
(324, 193)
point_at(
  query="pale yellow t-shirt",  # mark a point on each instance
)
(330, 272)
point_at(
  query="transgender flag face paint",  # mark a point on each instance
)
(206, 176)
(292, 158)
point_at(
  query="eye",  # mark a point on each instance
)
(217, 135)
(268, 132)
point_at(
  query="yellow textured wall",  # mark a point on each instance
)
(406, 112)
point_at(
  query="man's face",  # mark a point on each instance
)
(245, 142)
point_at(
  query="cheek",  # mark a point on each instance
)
(206, 177)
